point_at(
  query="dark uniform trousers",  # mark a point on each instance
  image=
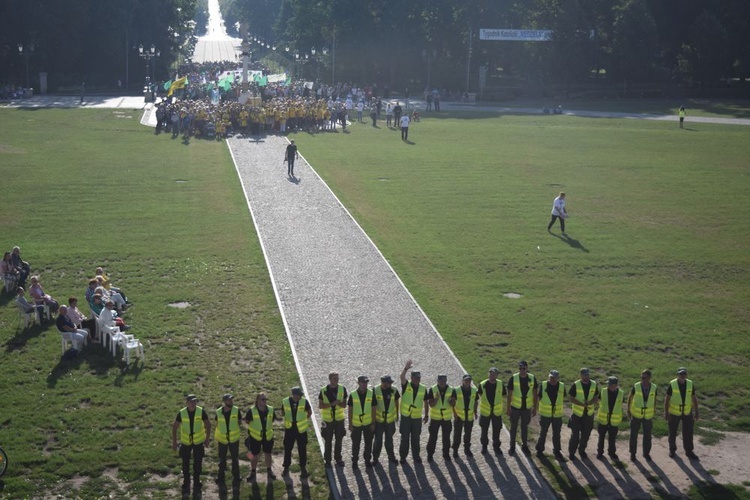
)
(545, 422)
(410, 430)
(497, 424)
(610, 432)
(234, 452)
(437, 426)
(292, 436)
(333, 429)
(525, 417)
(197, 451)
(635, 427)
(357, 432)
(687, 431)
(581, 427)
(383, 430)
(464, 426)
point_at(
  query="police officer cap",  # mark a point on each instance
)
(585, 371)
(494, 370)
(443, 378)
(386, 379)
(191, 397)
(612, 380)
(416, 374)
(297, 391)
(467, 377)
(363, 378)
(227, 397)
(554, 374)
(681, 369)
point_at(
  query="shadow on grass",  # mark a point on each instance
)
(711, 491)
(97, 357)
(574, 243)
(255, 492)
(23, 335)
(566, 481)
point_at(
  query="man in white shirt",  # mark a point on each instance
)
(558, 212)
(404, 127)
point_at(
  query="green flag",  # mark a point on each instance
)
(167, 84)
(226, 83)
(262, 81)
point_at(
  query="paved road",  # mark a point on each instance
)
(216, 45)
(345, 309)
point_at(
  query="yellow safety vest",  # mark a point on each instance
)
(605, 417)
(361, 417)
(442, 408)
(331, 414)
(222, 434)
(382, 416)
(484, 404)
(580, 396)
(255, 427)
(461, 411)
(516, 401)
(546, 407)
(676, 405)
(196, 435)
(411, 404)
(643, 409)
(300, 418)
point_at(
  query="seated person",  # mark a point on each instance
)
(7, 270)
(97, 304)
(109, 318)
(114, 297)
(79, 320)
(36, 291)
(22, 266)
(91, 290)
(106, 283)
(65, 325)
(415, 115)
(24, 304)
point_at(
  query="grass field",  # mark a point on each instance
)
(654, 273)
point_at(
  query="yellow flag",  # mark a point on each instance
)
(177, 84)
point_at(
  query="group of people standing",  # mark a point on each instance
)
(372, 414)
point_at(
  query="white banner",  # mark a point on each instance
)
(516, 35)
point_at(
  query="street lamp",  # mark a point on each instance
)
(148, 55)
(26, 55)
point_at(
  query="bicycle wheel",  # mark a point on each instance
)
(3, 462)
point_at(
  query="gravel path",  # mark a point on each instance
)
(345, 310)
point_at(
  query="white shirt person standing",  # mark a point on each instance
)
(558, 212)
(404, 127)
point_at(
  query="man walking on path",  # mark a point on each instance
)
(362, 408)
(195, 429)
(641, 404)
(289, 157)
(387, 399)
(681, 113)
(523, 401)
(583, 394)
(412, 401)
(227, 434)
(679, 406)
(490, 394)
(297, 412)
(551, 397)
(441, 399)
(609, 417)
(404, 121)
(332, 401)
(465, 410)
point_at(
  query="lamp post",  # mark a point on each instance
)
(26, 53)
(148, 55)
(429, 56)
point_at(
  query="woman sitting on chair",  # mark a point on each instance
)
(79, 320)
(65, 325)
(36, 291)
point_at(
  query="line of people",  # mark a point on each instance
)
(371, 415)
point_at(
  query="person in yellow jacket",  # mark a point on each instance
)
(413, 400)
(332, 402)
(297, 412)
(583, 393)
(523, 402)
(641, 406)
(385, 419)
(195, 431)
(679, 406)
(363, 406)
(490, 395)
(609, 417)
(551, 398)
(227, 434)
(465, 411)
(441, 398)
(259, 420)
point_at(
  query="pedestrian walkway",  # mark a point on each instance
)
(346, 310)
(216, 45)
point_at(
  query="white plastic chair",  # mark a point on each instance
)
(66, 338)
(121, 340)
(11, 282)
(28, 317)
(107, 334)
(97, 331)
(136, 347)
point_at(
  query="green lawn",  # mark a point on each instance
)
(83, 188)
(653, 275)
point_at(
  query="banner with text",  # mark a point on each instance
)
(516, 35)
